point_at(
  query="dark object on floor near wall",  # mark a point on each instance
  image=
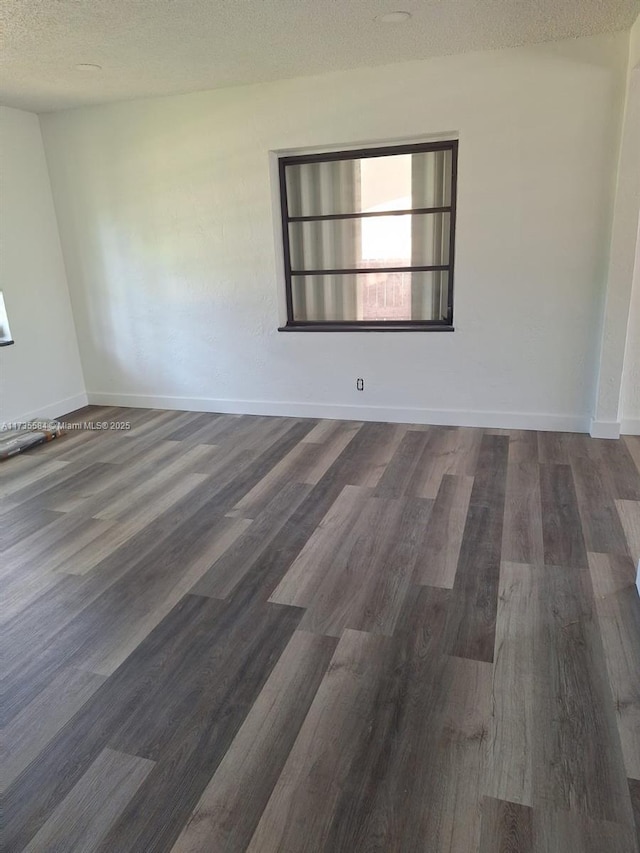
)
(14, 441)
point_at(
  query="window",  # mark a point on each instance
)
(369, 238)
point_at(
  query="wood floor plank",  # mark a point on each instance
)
(447, 451)
(60, 596)
(34, 796)
(239, 432)
(243, 471)
(18, 523)
(133, 486)
(51, 547)
(17, 475)
(305, 575)
(229, 809)
(307, 462)
(138, 452)
(74, 479)
(293, 468)
(514, 828)
(276, 560)
(445, 779)
(326, 429)
(522, 538)
(506, 827)
(94, 623)
(356, 568)
(618, 610)
(471, 624)
(634, 792)
(565, 830)
(332, 450)
(632, 443)
(84, 817)
(561, 523)
(385, 714)
(554, 448)
(369, 454)
(191, 425)
(554, 739)
(235, 661)
(523, 446)
(600, 522)
(157, 426)
(438, 563)
(298, 814)
(28, 733)
(490, 472)
(155, 595)
(621, 470)
(225, 573)
(180, 697)
(402, 467)
(511, 745)
(368, 581)
(629, 513)
(578, 762)
(472, 617)
(112, 447)
(24, 587)
(138, 519)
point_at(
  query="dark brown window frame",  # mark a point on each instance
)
(293, 325)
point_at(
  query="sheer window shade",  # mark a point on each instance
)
(369, 237)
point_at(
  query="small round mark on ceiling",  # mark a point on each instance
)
(393, 17)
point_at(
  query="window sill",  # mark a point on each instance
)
(366, 327)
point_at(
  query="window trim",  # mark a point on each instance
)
(293, 325)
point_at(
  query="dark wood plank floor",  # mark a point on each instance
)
(228, 633)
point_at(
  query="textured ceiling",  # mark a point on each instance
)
(157, 47)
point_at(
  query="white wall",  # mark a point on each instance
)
(630, 405)
(166, 220)
(631, 374)
(617, 407)
(40, 374)
(634, 44)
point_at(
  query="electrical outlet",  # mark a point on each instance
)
(360, 384)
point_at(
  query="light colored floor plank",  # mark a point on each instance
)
(618, 611)
(86, 814)
(629, 512)
(305, 575)
(365, 563)
(29, 732)
(511, 744)
(152, 606)
(441, 548)
(522, 532)
(91, 555)
(302, 802)
(230, 807)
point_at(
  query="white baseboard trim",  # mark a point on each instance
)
(53, 410)
(453, 417)
(604, 429)
(630, 426)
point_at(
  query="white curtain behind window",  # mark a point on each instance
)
(430, 176)
(315, 189)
